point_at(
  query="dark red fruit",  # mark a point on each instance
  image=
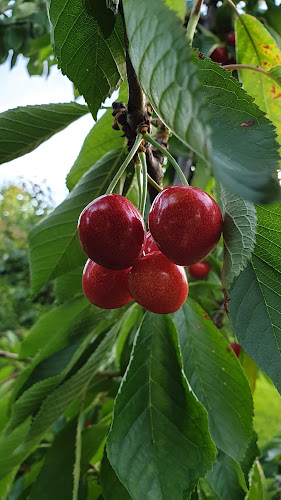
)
(219, 55)
(105, 288)
(199, 270)
(231, 39)
(236, 348)
(112, 232)
(150, 245)
(157, 284)
(186, 224)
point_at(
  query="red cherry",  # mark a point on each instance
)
(219, 55)
(157, 284)
(87, 425)
(230, 40)
(105, 288)
(199, 270)
(149, 245)
(112, 231)
(186, 224)
(236, 348)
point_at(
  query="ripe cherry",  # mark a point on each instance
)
(236, 348)
(219, 55)
(112, 231)
(150, 245)
(157, 284)
(105, 288)
(199, 270)
(230, 40)
(186, 224)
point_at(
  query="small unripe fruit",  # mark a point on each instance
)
(150, 245)
(220, 55)
(105, 288)
(186, 224)
(231, 39)
(157, 284)
(236, 348)
(199, 270)
(112, 232)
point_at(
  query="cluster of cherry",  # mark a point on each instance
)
(127, 263)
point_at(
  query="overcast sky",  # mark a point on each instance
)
(54, 158)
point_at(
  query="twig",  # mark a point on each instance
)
(14, 375)
(5, 354)
(232, 67)
(193, 20)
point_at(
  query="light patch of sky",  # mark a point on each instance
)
(52, 160)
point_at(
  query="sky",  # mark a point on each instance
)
(53, 159)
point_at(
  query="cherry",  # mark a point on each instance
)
(150, 245)
(185, 223)
(112, 231)
(230, 40)
(157, 284)
(199, 270)
(105, 288)
(236, 348)
(219, 55)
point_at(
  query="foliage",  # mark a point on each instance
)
(121, 404)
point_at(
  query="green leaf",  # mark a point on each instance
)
(267, 403)
(23, 129)
(245, 152)
(92, 438)
(9, 458)
(258, 488)
(54, 244)
(131, 318)
(99, 11)
(179, 6)
(100, 140)
(94, 64)
(55, 479)
(69, 285)
(112, 488)
(224, 480)
(164, 67)
(163, 445)
(217, 379)
(57, 402)
(254, 305)
(239, 231)
(261, 51)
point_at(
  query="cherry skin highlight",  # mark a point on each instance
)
(105, 288)
(220, 55)
(236, 348)
(150, 245)
(157, 284)
(112, 232)
(199, 270)
(186, 224)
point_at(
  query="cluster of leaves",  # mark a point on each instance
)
(183, 419)
(24, 29)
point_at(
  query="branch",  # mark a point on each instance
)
(14, 375)
(232, 67)
(12, 355)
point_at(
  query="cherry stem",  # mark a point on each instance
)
(166, 153)
(193, 20)
(144, 182)
(232, 67)
(139, 181)
(124, 165)
(154, 184)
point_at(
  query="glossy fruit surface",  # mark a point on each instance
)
(105, 288)
(231, 39)
(199, 270)
(186, 224)
(112, 232)
(150, 245)
(236, 348)
(220, 55)
(157, 284)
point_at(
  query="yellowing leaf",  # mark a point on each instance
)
(179, 6)
(262, 51)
